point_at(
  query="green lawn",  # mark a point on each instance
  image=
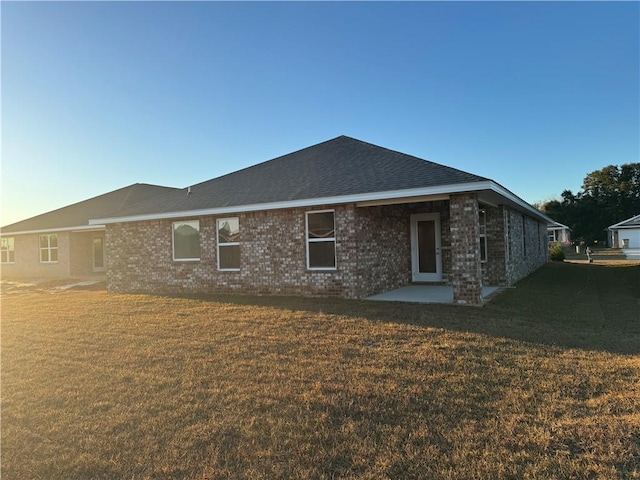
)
(542, 383)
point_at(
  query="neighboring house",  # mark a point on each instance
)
(341, 218)
(559, 233)
(61, 243)
(626, 236)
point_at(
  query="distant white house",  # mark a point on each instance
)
(626, 236)
(559, 233)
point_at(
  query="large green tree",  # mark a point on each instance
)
(608, 196)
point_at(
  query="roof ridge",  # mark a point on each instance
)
(417, 158)
(269, 160)
(124, 200)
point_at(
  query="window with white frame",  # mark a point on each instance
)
(228, 243)
(483, 235)
(321, 240)
(7, 250)
(49, 248)
(186, 240)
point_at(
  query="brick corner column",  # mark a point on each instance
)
(466, 272)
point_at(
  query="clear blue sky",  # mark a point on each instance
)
(97, 95)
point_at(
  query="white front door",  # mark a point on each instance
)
(426, 258)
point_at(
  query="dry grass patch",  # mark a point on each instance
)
(122, 386)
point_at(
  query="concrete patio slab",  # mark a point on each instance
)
(425, 294)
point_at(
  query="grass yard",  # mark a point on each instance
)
(542, 383)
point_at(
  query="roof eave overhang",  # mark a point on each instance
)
(623, 227)
(360, 199)
(82, 228)
(622, 224)
(558, 226)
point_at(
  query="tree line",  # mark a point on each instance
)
(608, 196)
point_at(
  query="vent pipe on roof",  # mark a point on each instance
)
(188, 190)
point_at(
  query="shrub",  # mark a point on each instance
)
(557, 253)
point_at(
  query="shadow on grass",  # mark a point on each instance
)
(591, 307)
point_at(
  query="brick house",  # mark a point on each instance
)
(61, 243)
(342, 218)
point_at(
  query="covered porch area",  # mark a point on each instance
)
(454, 248)
(428, 249)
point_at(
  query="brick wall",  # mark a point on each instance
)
(384, 246)
(272, 257)
(517, 246)
(466, 274)
(493, 270)
(27, 258)
(526, 242)
(373, 251)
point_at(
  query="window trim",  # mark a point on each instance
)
(482, 227)
(173, 240)
(48, 248)
(318, 240)
(226, 244)
(10, 251)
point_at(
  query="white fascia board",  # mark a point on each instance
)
(621, 224)
(82, 228)
(624, 227)
(362, 198)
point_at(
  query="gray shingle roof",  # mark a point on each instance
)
(78, 214)
(337, 167)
